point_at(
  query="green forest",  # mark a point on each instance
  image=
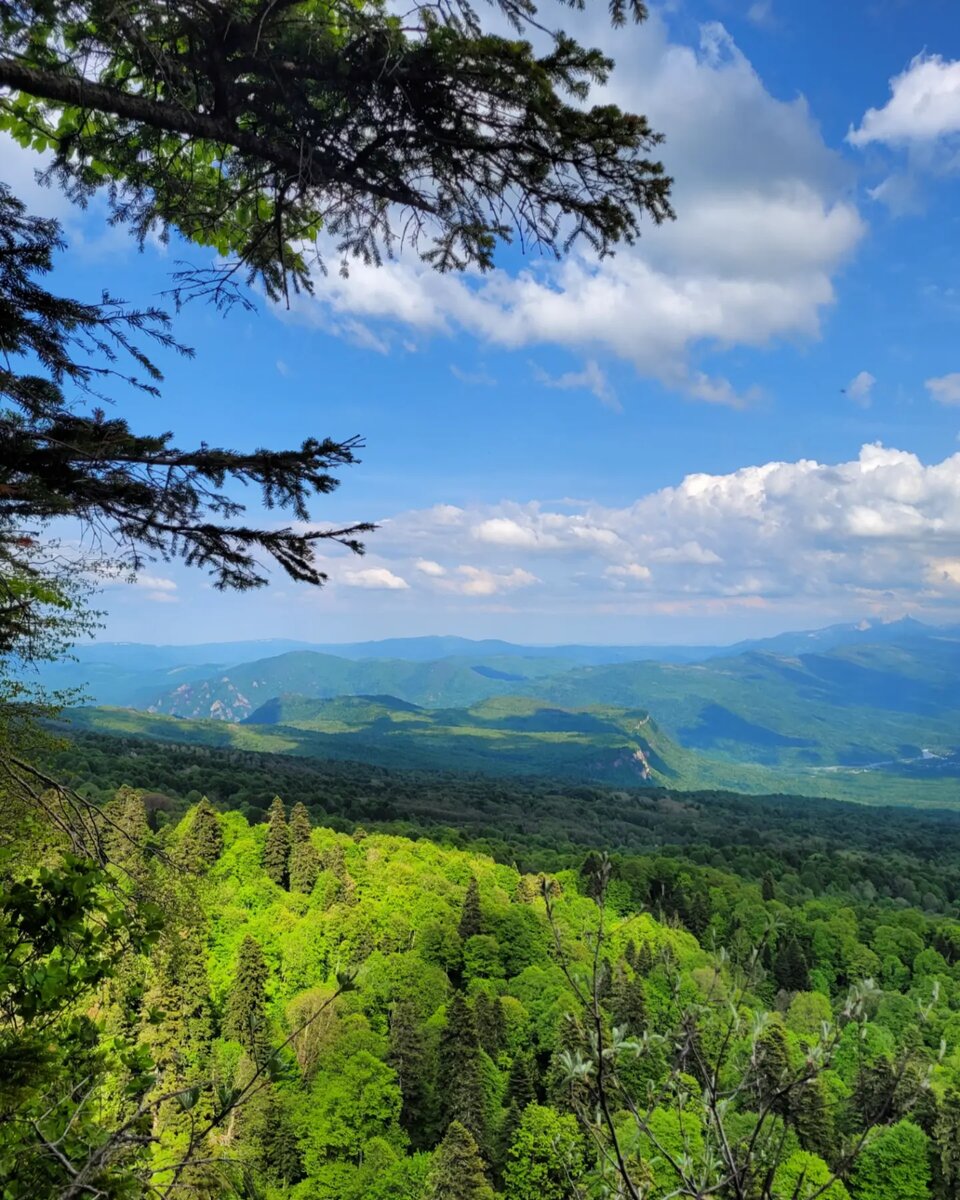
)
(284, 1009)
(431, 918)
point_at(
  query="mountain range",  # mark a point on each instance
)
(834, 711)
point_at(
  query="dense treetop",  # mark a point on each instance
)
(369, 1043)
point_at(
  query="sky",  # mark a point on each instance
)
(746, 423)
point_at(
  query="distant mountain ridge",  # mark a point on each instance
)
(849, 696)
(133, 673)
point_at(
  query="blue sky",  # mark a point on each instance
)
(788, 348)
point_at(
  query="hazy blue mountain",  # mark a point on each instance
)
(907, 630)
(854, 704)
(214, 679)
(232, 695)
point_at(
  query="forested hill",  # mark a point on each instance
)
(811, 846)
(874, 717)
(325, 1016)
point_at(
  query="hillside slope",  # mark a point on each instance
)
(236, 693)
(855, 705)
(513, 736)
(852, 706)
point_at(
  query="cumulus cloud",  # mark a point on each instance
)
(157, 589)
(924, 105)
(919, 123)
(945, 389)
(860, 389)
(427, 567)
(765, 224)
(629, 573)
(478, 581)
(878, 531)
(374, 579)
(505, 531)
(155, 583)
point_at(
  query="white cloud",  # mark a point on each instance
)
(689, 552)
(878, 531)
(591, 379)
(157, 589)
(20, 169)
(477, 581)
(427, 567)
(630, 572)
(504, 531)
(155, 583)
(945, 389)
(763, 225)
(924, 105)
(374, 579)
(519, 527)
(944, 572)
(860, 389)
(114, 576)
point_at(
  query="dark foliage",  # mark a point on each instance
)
(249, 126)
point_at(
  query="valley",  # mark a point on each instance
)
(872, 714)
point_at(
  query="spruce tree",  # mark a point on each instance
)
(628, 1005)
(772, 1068)
(813, 1118)
(62, 454)
(874, 1091)
(276, 852)
(946, 1137)
(564, 1093)
(522, 1081)
(645, 959)
(768, 888)
(461, 1086)
(181, 1041)
(304, 867)
(238, 127)
(128, 832)
(407, 1056)
(300, 824)
(203, 842)
(304, 861)
(280, 1155)
(458, 1171)
(245, 1019)
(790, 968)
(491, 1023)
(471, 922)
